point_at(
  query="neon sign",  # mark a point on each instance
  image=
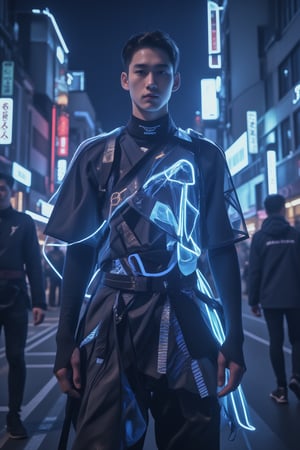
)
(6, 120)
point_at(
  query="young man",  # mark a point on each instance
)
(19, 258)
(274, 283)
(140, 203)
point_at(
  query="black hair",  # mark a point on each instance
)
(274, 203)
(8, 179)
(152, 39)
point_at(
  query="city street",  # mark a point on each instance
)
(128, 132)
(277, 426)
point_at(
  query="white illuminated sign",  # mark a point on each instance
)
(61, 169)
(6, 120)
(237, 154)
(209, 99)
(214, 40)
(60, 54)
(271, 171)
(21, 174)
(252, 131)
(297, 94)
(36, 216)
(46, 208)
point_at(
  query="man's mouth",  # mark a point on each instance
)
(151, 96)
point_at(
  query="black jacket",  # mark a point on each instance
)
(20, 251)
(274, 265)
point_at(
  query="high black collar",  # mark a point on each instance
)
(151, 131)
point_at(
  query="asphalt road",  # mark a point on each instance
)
(277, 426)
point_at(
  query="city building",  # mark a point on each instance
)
(255, 56)
(250, 104)
(45, 111)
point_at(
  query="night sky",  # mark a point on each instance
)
(95, 31)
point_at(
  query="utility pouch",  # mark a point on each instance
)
(8, 294)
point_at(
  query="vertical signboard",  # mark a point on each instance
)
(7, 79)
(214, 40)
(252, 131)
(59, 146)
(209, 99)
(62, 145)
(6, 120)
(271, 172)
(62, 150)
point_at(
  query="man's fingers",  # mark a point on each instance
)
(75, 363)
(221, 369)
(229, 387)
(38, 316)
(235, 371)
(63, 378)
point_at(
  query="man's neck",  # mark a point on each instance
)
(151, 130)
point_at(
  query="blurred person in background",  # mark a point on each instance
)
(274, 286)
(20, 259)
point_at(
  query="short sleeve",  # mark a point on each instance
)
(222, 221)
(76, 215)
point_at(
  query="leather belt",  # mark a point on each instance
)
(11, 274)
(145, 284)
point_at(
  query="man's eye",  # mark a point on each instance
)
(163, 72)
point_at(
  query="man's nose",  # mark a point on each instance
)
(151, 83)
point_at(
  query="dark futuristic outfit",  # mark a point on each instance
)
(145, 335)
(19, 257)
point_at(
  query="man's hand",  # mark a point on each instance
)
(71, 385)
(256, 310)
(236, 373)
(38, 315)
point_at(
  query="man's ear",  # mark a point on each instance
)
(177, 82)
(124, 81)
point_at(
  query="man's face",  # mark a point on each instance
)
(5, 194)
(150, 81)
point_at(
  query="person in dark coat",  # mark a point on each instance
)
(274, 286)
(20, 259)
(136, 207)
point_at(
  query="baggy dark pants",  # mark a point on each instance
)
(182, 419)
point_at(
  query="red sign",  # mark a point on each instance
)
(62, 149)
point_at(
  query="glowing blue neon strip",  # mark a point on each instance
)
(182, 173)
(90, 283)
(47, 259)
(169, 173)
(143, 271)
(67, 245)
(242, 417)
(91, 336)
